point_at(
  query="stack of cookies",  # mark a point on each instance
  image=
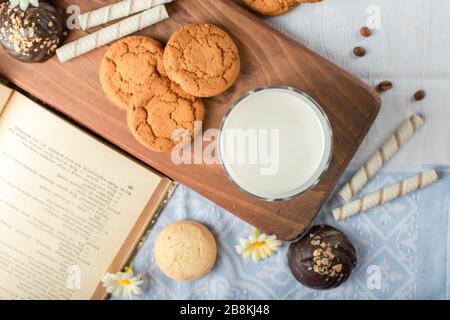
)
(161, 88)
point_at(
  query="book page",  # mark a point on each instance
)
(67, 204)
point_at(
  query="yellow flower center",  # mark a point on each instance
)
(124, 282)
(257, 244)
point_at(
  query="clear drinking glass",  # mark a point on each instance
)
(322, 167)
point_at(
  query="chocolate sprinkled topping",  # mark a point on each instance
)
(32, 35)
(323, 259)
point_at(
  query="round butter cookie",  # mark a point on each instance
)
(202, 59)
(271, 7)
(128, 67)
(185, 250)
(162, 115)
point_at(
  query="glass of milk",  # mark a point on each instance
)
(275, 143)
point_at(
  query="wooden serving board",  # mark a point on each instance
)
(268, 58)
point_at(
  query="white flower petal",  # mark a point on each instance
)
(135, 291)
(34, 3)
(14, 3)
(123, 284)
(243, 242)
(139, 283)
(23, 4)
(255, 256)
(258, 246)
(117, 291)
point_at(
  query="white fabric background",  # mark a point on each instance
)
(412, 49)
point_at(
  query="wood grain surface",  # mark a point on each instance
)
(268, 58)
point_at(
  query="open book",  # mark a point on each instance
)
(71, 207)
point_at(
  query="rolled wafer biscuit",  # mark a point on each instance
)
(386, 152)
(385, 195)
(111, 33)
(116, 11)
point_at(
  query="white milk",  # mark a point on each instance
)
(290, 143)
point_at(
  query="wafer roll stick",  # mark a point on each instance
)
(116, 11)
(112, 33)
(385, 195)
(389, 149)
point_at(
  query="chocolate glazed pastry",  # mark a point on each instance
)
(323, 259)
(32, 35)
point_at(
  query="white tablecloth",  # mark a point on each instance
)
(412, 49)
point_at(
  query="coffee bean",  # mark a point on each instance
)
(365, 32)
(420, 95)
(359, 51)
(384, 86)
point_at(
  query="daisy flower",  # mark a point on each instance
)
(258, 246)
(23, 4)
(123, 284)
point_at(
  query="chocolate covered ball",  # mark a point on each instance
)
(323, 259)
(34, 34)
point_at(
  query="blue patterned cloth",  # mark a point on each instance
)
(405, 241)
